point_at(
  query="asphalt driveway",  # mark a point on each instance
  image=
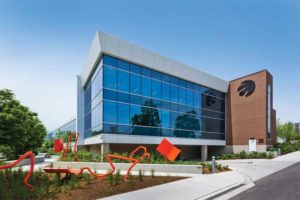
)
(282, 185)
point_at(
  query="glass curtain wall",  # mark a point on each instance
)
(125, 98)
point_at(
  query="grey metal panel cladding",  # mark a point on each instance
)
(104, 43)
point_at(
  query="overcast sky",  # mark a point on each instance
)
(44, 44)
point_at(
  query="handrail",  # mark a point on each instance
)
(28, 154)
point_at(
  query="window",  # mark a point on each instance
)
(135, 84)
(182, 96)
(269, 112)
(156, 75)
(110, 112)
(123, 97)
(110, 61)
(190, 97)
(165, 91)
(146, 87)
(166, 119)
(123, 65)
(165, 78)
(123, 113)
(197, 99)
(110, 78)
(174, 93)
(146, 72)
(156, 89)
(135, 69)
(135, 111)
(123, 81)
(110, 95)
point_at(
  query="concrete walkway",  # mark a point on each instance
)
(215, 186)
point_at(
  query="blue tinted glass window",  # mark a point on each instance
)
(110, 77)
(110, 112)
(110, 61)
(134, 117)
(174, 116)
(182, 83)
(156, 103)
(166, 93)
(166, 105)
(182, 96)
(146, 72)
(156, 75)
(165, 78)
(197, 88)
(174, 107)
(146, 87)
(135, 84)
(135, 69)
(134, 99)
(145, 101)
(123, 97)
(174, 80)
(123, 113)
(123, 81)
(190, 85)
(166, 119)
(190, 97)
(87, 94)
(197, 99)
(182, 108)
(123, 129)
(156, 89)
(110, 95)
(174, 93)
(123, 65)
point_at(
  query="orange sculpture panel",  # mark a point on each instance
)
(168, 150)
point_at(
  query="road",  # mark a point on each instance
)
(283, 185)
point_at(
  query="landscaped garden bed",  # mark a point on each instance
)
(48, 186)
(244, 155)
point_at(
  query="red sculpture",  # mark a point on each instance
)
(59, 146)
(28, 154)
(168, 150)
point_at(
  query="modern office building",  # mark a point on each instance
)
(129, 96)
(68, 126)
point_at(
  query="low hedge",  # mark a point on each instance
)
(244, 155)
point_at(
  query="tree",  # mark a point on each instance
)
(20, 129)
(149, 116)
(287, 131)
(187, 121)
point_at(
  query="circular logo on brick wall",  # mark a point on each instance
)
(246, 88)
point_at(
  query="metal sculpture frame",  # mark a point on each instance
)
(25, 181)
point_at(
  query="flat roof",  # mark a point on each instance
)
(110, 45)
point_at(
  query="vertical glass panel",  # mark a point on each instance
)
(197, 99)
(135, 69)
(110, 78)
(190, 97)
(165, 78)
(146, 72)
(110, 112)
(174, 80)
(174, 93)
(134, 99)
(182, 83)
(166, 119)
(110, 61)
(135, 84)
(156, 89)
(146, 87)
(87, 95)
(174, 116)
(110, 95)
(156, 75)
(135, 112)
(123, 97)
(123, 65)
(166, 93)
(123, 113)
(182, 96)
(166, 105)
(123, 81)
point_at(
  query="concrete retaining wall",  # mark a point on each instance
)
(171, 168)
(37, 159)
